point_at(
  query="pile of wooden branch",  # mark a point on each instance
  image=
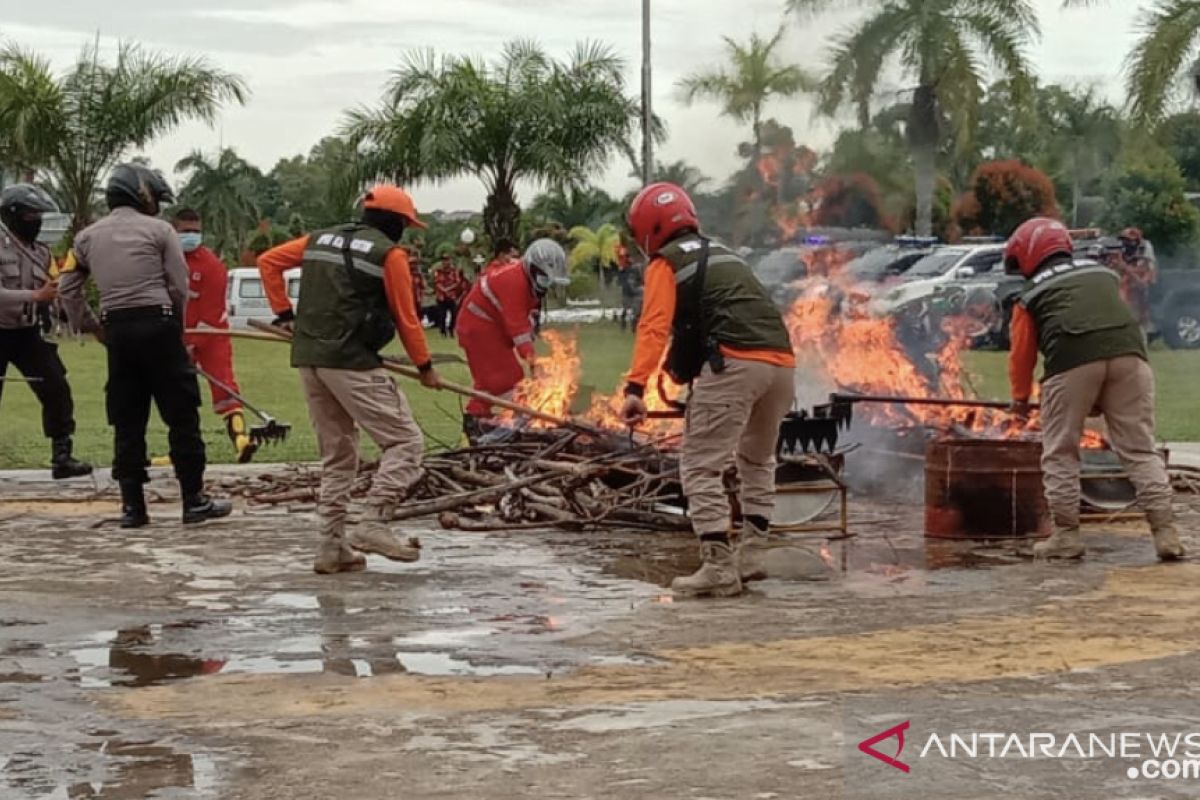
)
(542, 478)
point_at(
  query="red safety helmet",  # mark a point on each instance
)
(658, 214)
(1035, 241)
(1131, 235)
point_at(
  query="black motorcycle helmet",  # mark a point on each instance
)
(138, 187)
(21, 208)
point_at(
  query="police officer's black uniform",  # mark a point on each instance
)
(138, 266)
(26, 286)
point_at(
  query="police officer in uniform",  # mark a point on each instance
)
(138, 266)
(26, 290)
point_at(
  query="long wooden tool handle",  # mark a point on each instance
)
(466, 391)
(921, 401)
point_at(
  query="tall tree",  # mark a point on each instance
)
(223, 190)
(754, 76)
(98, 111)
(525, 116)
(322, 187)
(1086, 133)
(940, 44)
(588, 206)
(1163, 58)
(682, 174)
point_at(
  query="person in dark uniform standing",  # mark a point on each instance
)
(139, 268)
(26, 290)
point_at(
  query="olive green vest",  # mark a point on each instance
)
(734, 305)
(342, 317)
(1080, 316)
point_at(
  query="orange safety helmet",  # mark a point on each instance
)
(1035, 241)
(386, 197)
(658, 214)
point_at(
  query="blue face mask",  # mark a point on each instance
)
(190, 240)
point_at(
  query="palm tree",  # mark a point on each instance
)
(756, 77)
(574, 206)
(223, 191)
(1163, 57)
(523, 117)
(79, 125)
(1086, 131)
(940, 44)
(30, 99)
(683, 175)
(597, 248)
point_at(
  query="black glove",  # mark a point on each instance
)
(285, 320)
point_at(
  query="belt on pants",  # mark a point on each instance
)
(138, 312)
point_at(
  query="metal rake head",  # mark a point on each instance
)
(269, 432)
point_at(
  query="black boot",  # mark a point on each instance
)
(200, 507)
(63, 464)
(133, 505)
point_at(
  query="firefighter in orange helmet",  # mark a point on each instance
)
(356, 291)
(729, 341)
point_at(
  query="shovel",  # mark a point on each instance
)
(271, 430)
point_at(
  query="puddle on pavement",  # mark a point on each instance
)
(863, 562)
(435, 663)
(110, 768)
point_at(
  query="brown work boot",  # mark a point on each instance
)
(759, 558)
(333, 555)
(1064, 543)
(1166, 535)
(752, 548)
(374, 535)
(717, 576)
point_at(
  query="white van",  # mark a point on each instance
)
(247, 300)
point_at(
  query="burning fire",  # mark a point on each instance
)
(557, 380)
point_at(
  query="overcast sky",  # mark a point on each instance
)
(308, 60)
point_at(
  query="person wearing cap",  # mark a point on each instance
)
(495, 324)
(356, 291)
(138, 267)
(27, 288)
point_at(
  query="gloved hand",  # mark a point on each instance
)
(633, 410)
(285, 320)
(430, 379)
(1019, 409)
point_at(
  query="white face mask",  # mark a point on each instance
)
(190, 240)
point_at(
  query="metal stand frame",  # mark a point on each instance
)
(834, 483)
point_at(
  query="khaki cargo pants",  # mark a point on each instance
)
(1123, 389)
(340, 402)
(733, 416)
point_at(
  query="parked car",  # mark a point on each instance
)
(247, 300)
(1175, 307)
(967, 266)
(889, 262)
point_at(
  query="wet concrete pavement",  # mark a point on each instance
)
(209, 662)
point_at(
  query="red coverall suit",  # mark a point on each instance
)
(208, 282)
(496, 318)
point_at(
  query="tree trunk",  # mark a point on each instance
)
(924, 162)
(757, 134)
(923, 136)
(501, 214)
(1076, 182)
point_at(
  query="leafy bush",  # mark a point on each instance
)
(1002, 195)
(1147, 191)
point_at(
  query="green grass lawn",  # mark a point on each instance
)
(266, 378)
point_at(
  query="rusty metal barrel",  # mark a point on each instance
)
(984, 489)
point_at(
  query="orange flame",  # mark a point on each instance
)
(557, 380)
